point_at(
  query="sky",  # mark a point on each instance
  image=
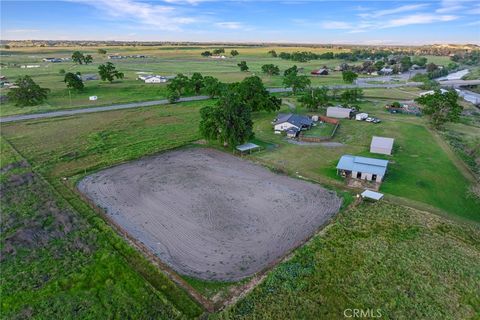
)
(295, 21)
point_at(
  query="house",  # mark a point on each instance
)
(339, 112)
(381, 145)
(54, 60)
(155, 79)
(88, 77)
(363, 168)
(386, 71)
(143, 77)
(320, 72)
(292, 121)
(442, 91)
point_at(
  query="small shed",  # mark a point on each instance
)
(320, 72)
(381, 145)
(339, 112)
(247, 147)
(372, 195)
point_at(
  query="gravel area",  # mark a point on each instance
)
(209, 214)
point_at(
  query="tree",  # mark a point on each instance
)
(255, 96)
(270, 69)
(420, 61)
(228, 122)
(206, 53)
(73, 81)
(243, 66)
(26, 92)
(315, 99)
(351, 96)
(218, 51)
(273, 53)
(88, 59)
(61, 71)
(213, 87)
(78, 57)
(234, 53)
(196, 82)
(291, 70)
(102, 51)
(405, 63)
(177, 86)
(349, 76)
(441, 107)
(108, 72)
(431, 67)
(296, 82)
(379, 65)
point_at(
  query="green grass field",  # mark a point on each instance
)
(57, 264)
(405, 263)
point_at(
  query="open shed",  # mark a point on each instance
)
(247, 147)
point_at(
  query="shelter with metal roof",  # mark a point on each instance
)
(364, 168)
(369, 194)
(247, 147)
(381, 145)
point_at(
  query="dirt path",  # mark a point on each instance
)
(208, 214)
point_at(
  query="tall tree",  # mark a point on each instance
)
(213, 87)
(73, 81)
(406, 63)
(102, 51)
(349, 76)
(315, 99)
(255, 96)
(206, 53)
(88, 59)
(218, 51)
(108, 72)
(27, 93)
(273, 53)
(441, 107)
(296, 82)
(270, 69)
(351, 96)
(196, 82)
(291, 70)
(243, 66)
(379, 65)
(78, 57)
(234, 53)
(178, 86)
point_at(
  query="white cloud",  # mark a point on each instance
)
(417, 19)
(387, 12)
(230, 25)
(162, 17)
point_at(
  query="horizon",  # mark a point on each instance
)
(368, 23)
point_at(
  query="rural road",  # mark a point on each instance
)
(22, 117)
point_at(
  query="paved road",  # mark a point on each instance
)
(63, 113)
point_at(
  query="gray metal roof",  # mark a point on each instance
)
(382, 142)
(363, 164)
(372, 195)
(295, 119)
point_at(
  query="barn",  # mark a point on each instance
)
(339, 112)
(363, 168)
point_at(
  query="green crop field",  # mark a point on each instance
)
(405, 263)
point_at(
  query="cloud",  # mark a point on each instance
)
(230, 25)
(417, 19)
(387, 12)
(21, 30)
(162, 17)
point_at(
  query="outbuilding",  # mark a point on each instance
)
(339, 112)
(155, 79)
(381, 145)
(320, 72)
(363, 168)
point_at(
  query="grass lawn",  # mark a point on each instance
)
(420, 169)
(406, 263)
(60, 264)
(320, 130)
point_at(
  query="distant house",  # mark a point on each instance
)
(339, 112)
(363, 168)
(218, 57)
(88, 77)
(288, 121)
(113, 57)
(442, 91)
(155, 79)
(381, 145)
(386, 71)
(52, 60)
(320, 72)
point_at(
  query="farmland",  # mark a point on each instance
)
(417, 247)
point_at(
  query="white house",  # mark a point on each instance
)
(381, 145)
(339, 112)
(288, 121)
(155, 79)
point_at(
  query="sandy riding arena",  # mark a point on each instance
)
(209, 214)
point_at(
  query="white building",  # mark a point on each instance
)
(285, 122)
(155, 79)
(381, 145)
(339, 112)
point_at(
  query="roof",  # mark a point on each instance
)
(339, 109)
(247, 146)
(319, 71)
(363, 164)
(372, 195)
(295, 119)
(382, 142)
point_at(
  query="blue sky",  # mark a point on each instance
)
(342, 22)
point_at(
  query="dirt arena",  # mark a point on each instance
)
(209, 214)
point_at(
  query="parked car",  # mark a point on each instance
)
(376, 120)
(369, 119)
